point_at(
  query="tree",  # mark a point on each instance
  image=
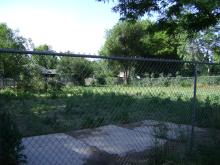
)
(202, 48)
(39, 65)
(133, 40)
(124, 39)
(31, 78)
(48, 62)
(11, 39)
(191, 16)
(75, 69)
(12, 64)
(209, 41)
(102, 72)
(175, 16)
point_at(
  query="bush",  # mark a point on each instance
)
(10, 141)
(55, 85)
(7, 93)
(54, 88)
(101, 81)
(167, 83)
(186, 84)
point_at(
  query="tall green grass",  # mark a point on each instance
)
(77, 107)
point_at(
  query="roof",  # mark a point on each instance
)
(49, 71)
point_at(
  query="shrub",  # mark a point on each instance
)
(10, 141)
(55, 85)
(186, 84)
(167, 83)
(7, 93)
(101, 81)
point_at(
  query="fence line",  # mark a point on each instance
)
(134, 58)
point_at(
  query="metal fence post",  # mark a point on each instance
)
(192, 136)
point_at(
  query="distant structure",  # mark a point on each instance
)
(49, 73)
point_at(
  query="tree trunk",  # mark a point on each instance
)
(126, 76)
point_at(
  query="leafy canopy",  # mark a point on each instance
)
(12, 65)
(75, 69)
(133, 39)
(190, 15)
(48, 62)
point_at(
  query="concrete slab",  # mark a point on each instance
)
(59, 149)
(56, 149)
(121, 141)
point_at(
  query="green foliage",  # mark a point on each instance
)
(186, 83)
(7, 93)
(12, 65)
(124, 39)
(192, 27)
(172, 153)
(167, 81)
(208, 153)
(110, 105)
(88, 122)
(202, 47)
(55, 86)
(160, 44)
(31, 79)
(91, 122)
(10, 141)
(75, 70)
(48, 62)
(122, 117)
(102, 72)
(134, 40)
(10, 38)
(191, 16)
(18, 67)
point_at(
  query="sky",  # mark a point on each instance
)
(66, 25)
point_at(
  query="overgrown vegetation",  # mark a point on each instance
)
(10, 141)
(205, 152)
(76, 107)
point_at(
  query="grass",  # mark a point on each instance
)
(86, 107)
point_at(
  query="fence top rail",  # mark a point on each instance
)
(121, 58)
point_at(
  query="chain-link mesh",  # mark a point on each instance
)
(109, 111)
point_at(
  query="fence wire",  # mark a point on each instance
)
(73, 109)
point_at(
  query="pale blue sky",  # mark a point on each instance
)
(75, 25)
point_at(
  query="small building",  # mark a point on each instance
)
(49, 73)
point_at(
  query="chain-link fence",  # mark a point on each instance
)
(108, 110)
